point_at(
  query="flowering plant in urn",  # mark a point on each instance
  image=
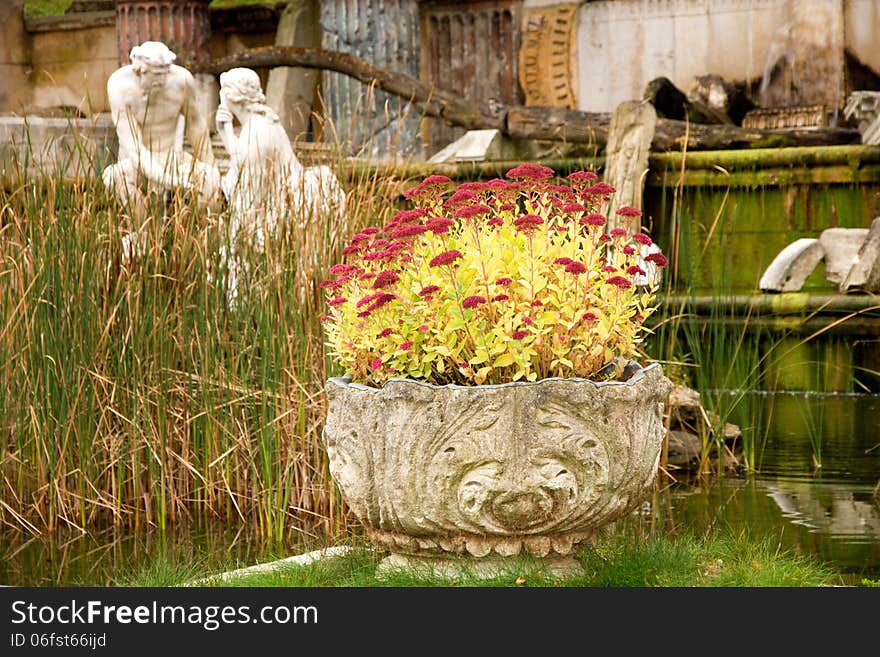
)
(492, 403)
(498, 281)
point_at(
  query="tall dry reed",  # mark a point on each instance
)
(133, 393)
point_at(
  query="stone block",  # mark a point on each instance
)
(64, 148)
(841, 250)
(290, 91)
(480, 146)
(865, 273)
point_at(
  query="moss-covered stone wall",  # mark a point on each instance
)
(724, 216)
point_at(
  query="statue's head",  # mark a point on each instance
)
(242, 91)
(241, 86)
(152, 61)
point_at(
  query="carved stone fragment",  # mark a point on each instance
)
(792, 266)
(865, 273)
(841, 246)
(545, 57)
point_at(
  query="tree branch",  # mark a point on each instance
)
(543, 123)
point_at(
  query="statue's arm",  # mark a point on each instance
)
(223, 120)
(197, 128)
(128, 129)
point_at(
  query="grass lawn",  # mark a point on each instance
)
(615, 561)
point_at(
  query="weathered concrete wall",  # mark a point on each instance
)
(71, 68)
(861, 27)
(68, 65)
(622, 45)
(15, 55)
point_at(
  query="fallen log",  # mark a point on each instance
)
(529, 122)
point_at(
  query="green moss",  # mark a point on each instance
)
(726, 238)
(58, 7)
(222, 4)
(761, 158)
(46, 7)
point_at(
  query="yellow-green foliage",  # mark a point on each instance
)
(499, 281)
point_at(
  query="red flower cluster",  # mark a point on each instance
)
(629, 211)
(583, 177)
(658, 259)
(620, 281)
(385, 278)
(530, 171)
(438, 225)
(470, 211)
(430, 187)
(445, 258)
(408, 230)
(473, 301)
(527, 222)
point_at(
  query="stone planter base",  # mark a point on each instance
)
(455, 568)
(454, 478)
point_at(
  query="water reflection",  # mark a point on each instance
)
(842, 511)
(834, 521)
(816, 489)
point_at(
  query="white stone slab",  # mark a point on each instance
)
(298, 560)
(865, 273)
(841, 250)
(472, 146)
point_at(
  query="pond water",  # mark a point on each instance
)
(831, 513)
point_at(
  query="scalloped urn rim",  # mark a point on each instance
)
(345, 381)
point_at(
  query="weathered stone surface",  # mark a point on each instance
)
(804, 64)
(841, 246)
(289, 89)
(520, 468)
(63, 148)
(626, 155)
(684, 405)
(683, 449)
(792, 266)
(863, 107)
(485, 568)
(865, 272)
(483, 146)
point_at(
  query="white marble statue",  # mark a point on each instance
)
(151, 99)
(266, 186)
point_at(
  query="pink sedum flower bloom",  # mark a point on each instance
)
(473, 301)
(446, 258)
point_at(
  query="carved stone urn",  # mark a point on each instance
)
(462, 478)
